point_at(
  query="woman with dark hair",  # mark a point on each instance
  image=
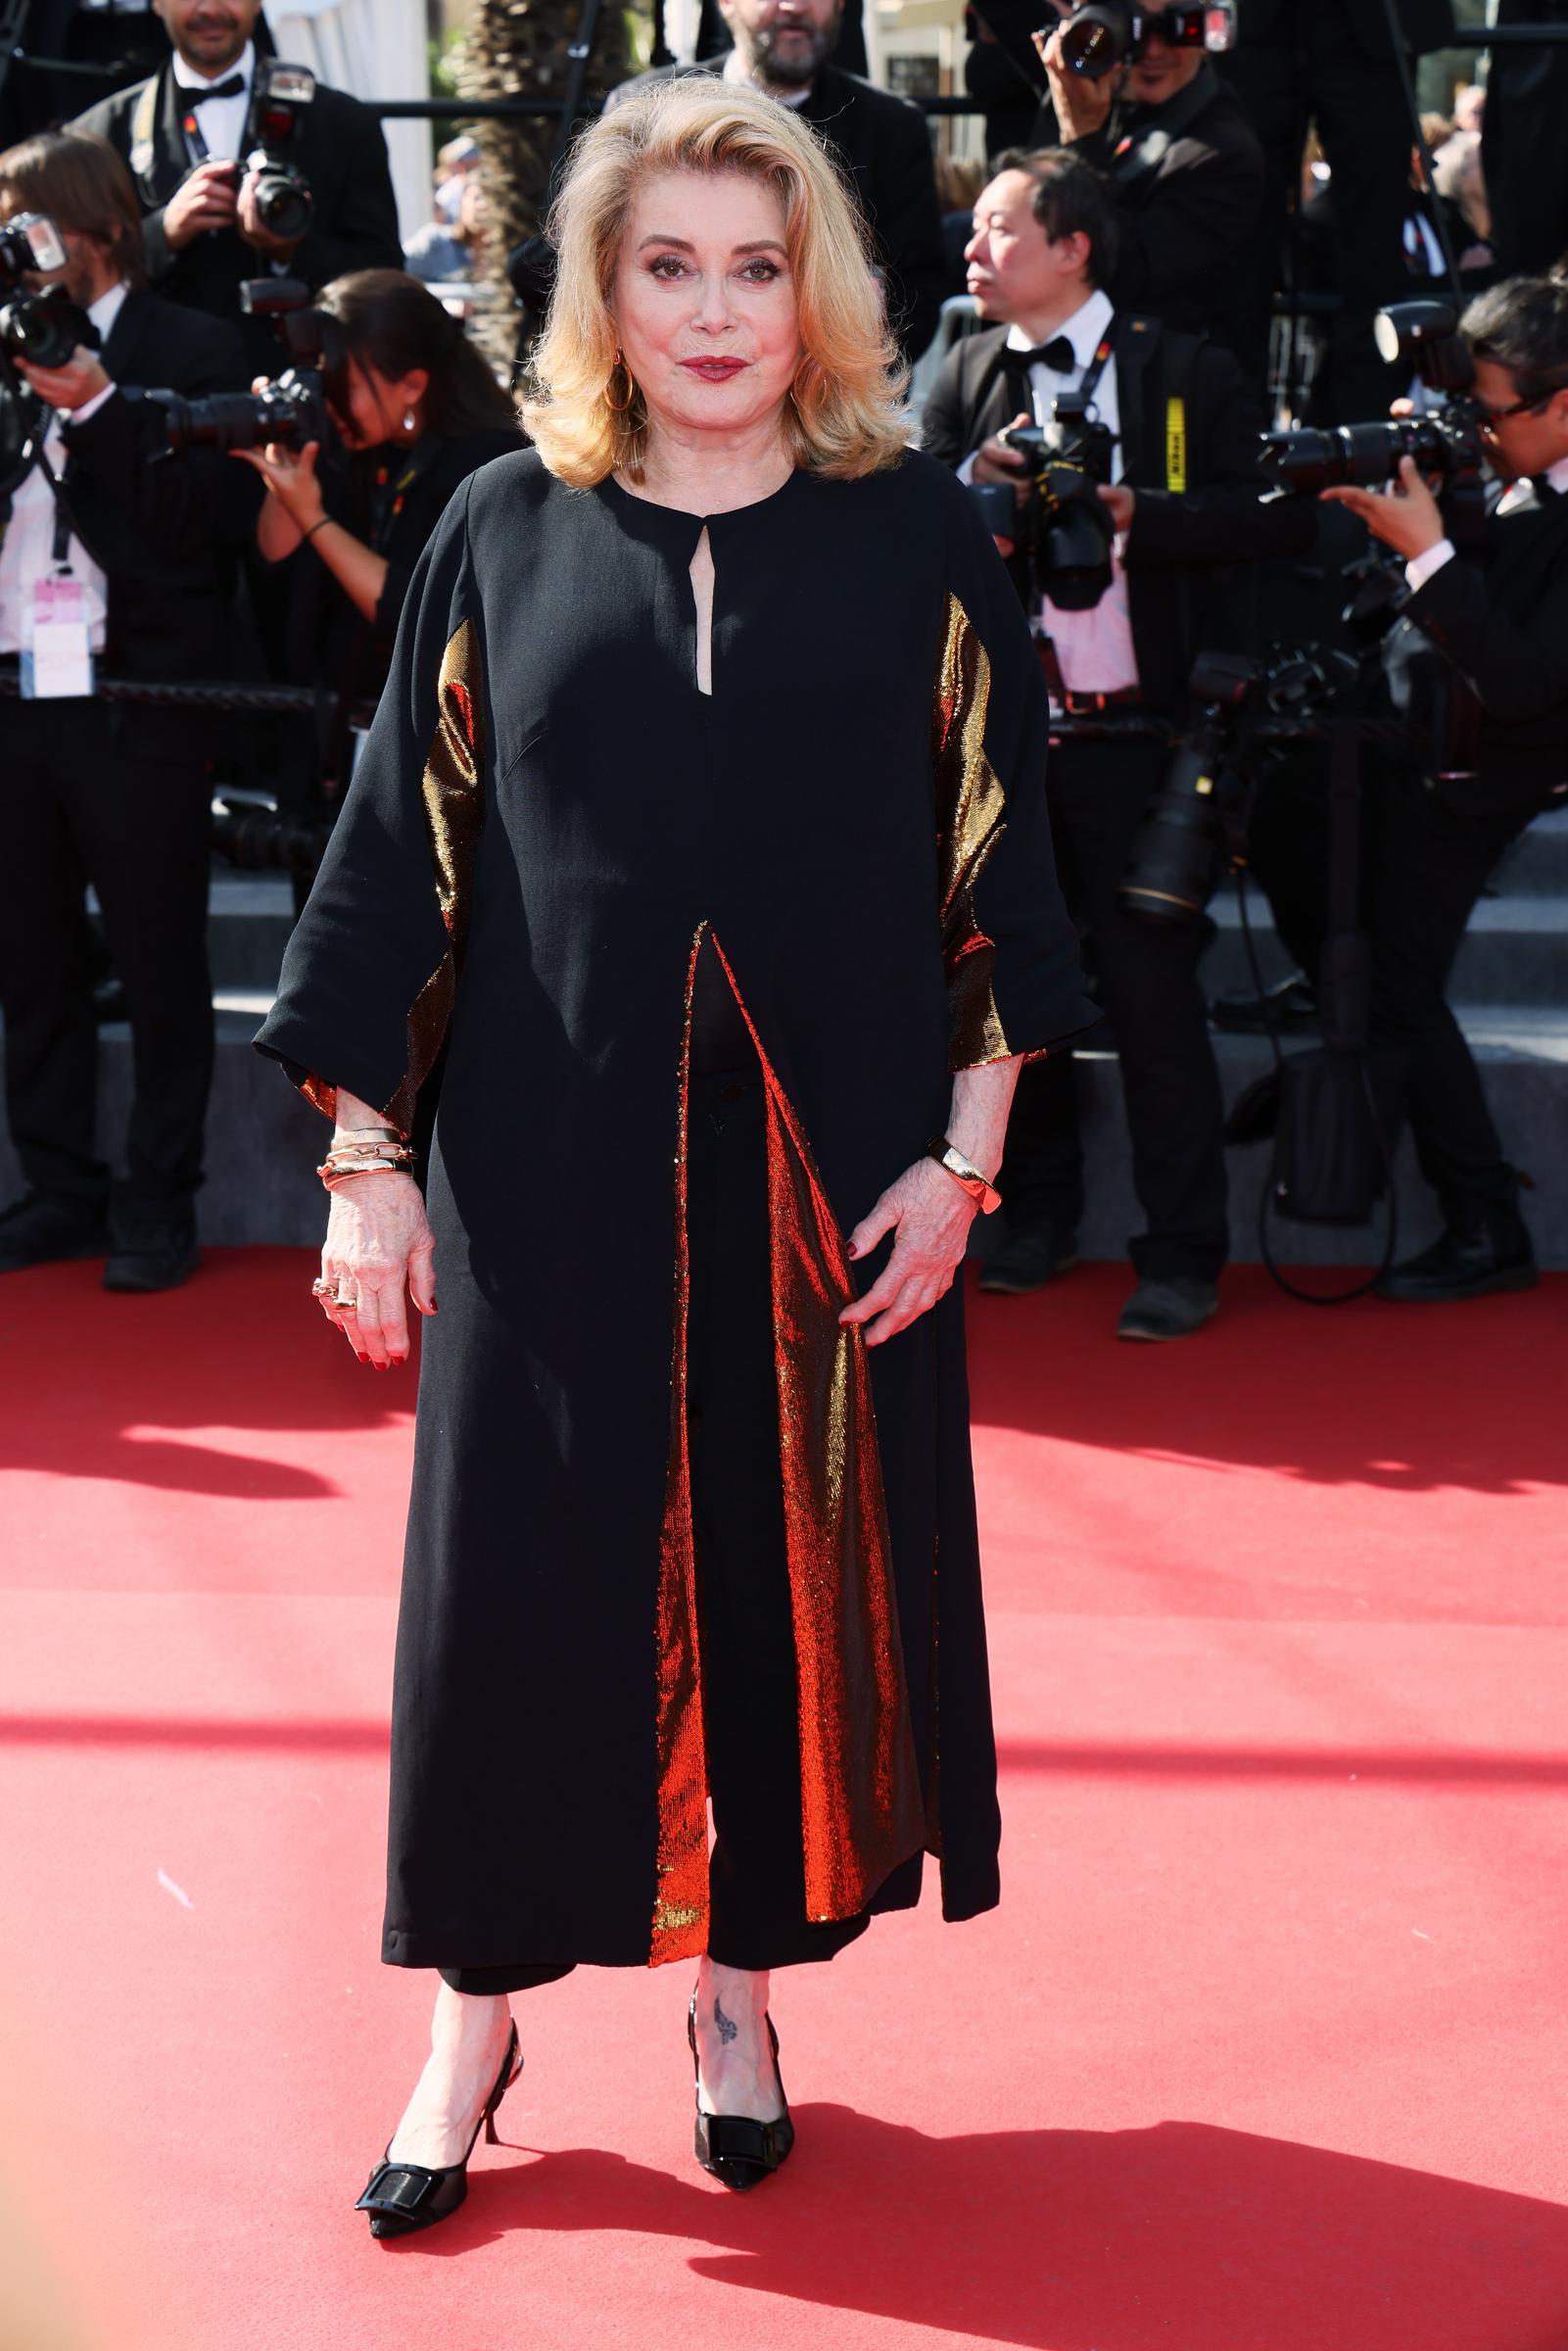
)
(416, 409)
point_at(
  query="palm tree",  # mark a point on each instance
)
(520, 49)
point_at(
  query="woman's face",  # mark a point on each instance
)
(704, 305)
(378, 405)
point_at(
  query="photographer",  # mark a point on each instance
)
(1497, 626)
(1185, 170)
(417, 408)
(1184, 501)
(116, 795)
(181, 133)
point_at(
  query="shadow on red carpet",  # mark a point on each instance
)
(1184, 2238)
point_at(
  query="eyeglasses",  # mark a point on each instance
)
(1491, 419)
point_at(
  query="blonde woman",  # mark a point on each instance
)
(702, 822)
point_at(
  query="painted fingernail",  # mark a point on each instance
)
(365, 1359)
(853, 1251)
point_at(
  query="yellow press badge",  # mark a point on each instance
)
(1176, 447)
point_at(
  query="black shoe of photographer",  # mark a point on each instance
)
(1495, 1256)
(44, 1229)
(1288, 1008)
(1168, 1310)
(1027, 1259)
(152, 1250)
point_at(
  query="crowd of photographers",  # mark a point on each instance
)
(231, 418)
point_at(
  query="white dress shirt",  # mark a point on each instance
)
(1420, 568)
(1094, 648)
(220, 121)
(27, 552)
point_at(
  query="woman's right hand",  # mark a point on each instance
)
(378, 1240)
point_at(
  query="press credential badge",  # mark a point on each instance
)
(56, 650)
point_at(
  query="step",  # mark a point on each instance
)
(1515, 952)
(264, 1142)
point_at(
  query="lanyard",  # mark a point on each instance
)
(1096, 368)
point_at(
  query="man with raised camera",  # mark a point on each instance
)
(236, 183)
(1183, 501)
(1133, 90)
(1494, 619)
(107, 558)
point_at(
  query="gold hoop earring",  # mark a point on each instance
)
(618, 407)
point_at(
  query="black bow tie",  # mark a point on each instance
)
(234, 87)
(1058, 355)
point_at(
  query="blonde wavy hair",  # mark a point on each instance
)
(845, 413)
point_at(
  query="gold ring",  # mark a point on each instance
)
(346, 1306)
(320, 1289)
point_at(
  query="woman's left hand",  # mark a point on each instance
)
(1408, 520)
(290, 476)
(929, 1215)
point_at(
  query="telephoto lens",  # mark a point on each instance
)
(44, 329)
(1097, 37)
(1183, 843)
(290, 412)
(283, 199)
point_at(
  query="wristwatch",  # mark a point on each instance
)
(979, 1187)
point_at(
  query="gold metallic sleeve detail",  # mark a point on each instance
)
(861, 1803)
(680, 1929)
(319, 1094)
(971, 813)
(453, 790)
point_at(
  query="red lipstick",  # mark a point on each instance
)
(714, 371)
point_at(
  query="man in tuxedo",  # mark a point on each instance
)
(785, 48)
(1499, 625)
(1186, 502)
(111, 795)
(1333, 62)
(180, 131)
(1185, 170)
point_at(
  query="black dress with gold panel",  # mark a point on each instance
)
(549, 829)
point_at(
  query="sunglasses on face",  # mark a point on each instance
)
(1491, 419)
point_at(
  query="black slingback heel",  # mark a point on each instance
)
(400, 2197)
(732, 2147)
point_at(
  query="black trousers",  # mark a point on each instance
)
(1358, 108)
(78, 810)
(1146, 975)
(1424, 866)
(756, 1871)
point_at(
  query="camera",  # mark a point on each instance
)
(1194, 828)
(280, 96)
(1445, 441)
(249, 831)
(289, 410)
(1101, 35)
(1065, 530)
(45, 328)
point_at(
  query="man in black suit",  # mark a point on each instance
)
(783, 47)
(1185, 170)
(1523, 153)
(1333, 62)
(1186, 504)
(1434, 836)
(114, 796)
(179, 132)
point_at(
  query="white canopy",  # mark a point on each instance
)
(372, 49)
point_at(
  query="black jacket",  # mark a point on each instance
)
(158, 525)
(884, 148)
(342, 155)
(1426, 24)
(1179, 601)
(1503, 624)
(1188, 181)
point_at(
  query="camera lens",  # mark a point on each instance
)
(1096, 38)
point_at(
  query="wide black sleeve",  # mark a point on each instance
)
(359, 231)
(1228, 519)
(1515, 665)
(370, 975)
(909, 231)
(1013, 972)
(138, 505)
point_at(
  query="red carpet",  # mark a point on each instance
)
(1264, 2052)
